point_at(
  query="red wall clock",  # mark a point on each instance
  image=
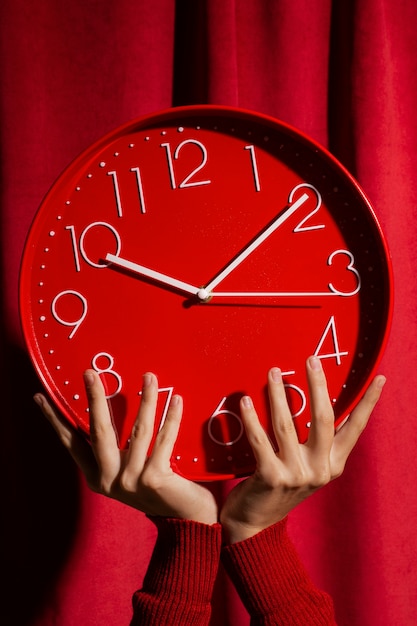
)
(205, 244)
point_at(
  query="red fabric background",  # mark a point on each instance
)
(345, 73)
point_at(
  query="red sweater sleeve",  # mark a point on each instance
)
(178, 584)
(272, 582)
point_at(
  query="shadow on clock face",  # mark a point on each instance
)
(227, 450)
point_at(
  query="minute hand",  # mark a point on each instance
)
(280, 219)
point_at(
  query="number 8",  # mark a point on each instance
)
(107, 370)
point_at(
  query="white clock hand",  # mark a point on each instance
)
(161, 278)
(280, 219)
(276, 294)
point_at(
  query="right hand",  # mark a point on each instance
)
(147, 483)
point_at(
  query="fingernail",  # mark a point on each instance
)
(146, 380)
(381, 381)
(39, 400)
(315, 363)
(88, 379)
(175, 400)
(276, 374)
(247, 402)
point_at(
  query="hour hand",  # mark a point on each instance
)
(164, 279)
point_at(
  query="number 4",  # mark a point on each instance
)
(337, 354)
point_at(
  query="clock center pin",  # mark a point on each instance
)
(203, 295)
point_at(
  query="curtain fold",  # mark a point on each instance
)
(344, 73)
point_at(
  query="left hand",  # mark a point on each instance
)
(147, 483)
(285, 477)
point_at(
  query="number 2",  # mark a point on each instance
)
(301, 227)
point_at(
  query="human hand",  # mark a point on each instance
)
(130, 476)
(285, 477)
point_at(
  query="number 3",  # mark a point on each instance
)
(351, 268)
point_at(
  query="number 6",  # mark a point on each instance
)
(220, 411)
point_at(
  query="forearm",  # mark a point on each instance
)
(273, 583)
(178, 584)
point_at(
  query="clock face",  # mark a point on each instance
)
(206, 244)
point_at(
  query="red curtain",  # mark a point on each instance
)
(345, 73)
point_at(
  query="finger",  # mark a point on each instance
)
(144, 425)
(102, 433)
(348, 435)
(165, 440)
(258, 439)
(72, 439)
(282, 420)
(322, 417)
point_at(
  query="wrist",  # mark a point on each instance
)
(204, 511)
(205, 515)
(235, 531)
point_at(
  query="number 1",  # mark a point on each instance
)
(254, 167)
